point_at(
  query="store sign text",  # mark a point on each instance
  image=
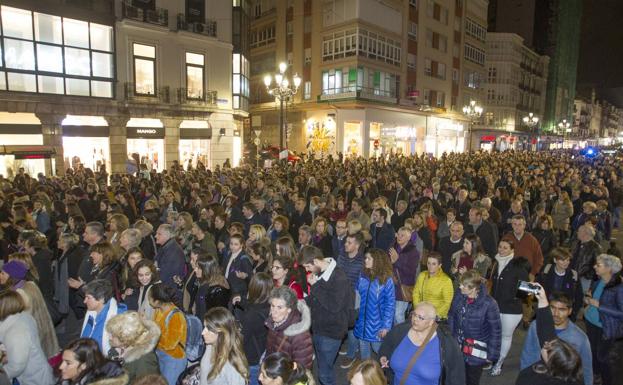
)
(401, 132)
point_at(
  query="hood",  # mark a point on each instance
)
(145, 343)
(301, 326)
(110, 373)
(123, 379)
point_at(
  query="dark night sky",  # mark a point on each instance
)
(601, 49)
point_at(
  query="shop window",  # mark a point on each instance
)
(144, 69)
(76, 33)
(16, 23)
(194, 75)
(307, 91)
(19, 54)
(22, 82)
(49, 58)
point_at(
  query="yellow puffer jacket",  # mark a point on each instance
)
(436, 289)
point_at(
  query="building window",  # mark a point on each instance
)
(474, 54)
(289, 28)
(475, 30)
(195, 74)
(413, 3)
(413, 30)
(263, 36)
(428, 67)
(308, 56)
(436, 40)
(441, 99)
(411, 61)
(144, 69)
(52, 54)
(455, 76)
(362, 43)
(240, 83)
(307, 90)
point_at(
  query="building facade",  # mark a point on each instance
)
(377, 77)
(117, 83)
(516, 86)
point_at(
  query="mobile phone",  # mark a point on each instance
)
(528, 287)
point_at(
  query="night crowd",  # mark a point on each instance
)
(400, 270)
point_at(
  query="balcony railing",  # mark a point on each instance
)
(200, 97)
(207, 27)
(158, 95)
(158, 16)
(362, 93)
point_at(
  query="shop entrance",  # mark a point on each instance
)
(87, 152)
(150, 152)
(194, 151)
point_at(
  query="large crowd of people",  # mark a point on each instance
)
(403, 270)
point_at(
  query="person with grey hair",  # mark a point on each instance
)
(584, 255)
(148, 243)
(603, 316)
(130, 238)
(170, 258)
(101, 307)
(288, 326)
(305, 236)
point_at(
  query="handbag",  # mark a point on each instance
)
(405, 290)
(475, 348)
(191, 375)
(417, 354)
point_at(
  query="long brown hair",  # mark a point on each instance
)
(381, 266)
(228, 346)
(211, 272)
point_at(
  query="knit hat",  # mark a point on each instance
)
(15, 269)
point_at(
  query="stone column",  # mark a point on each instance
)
(118, 143)
(171, 140)
(52, 132)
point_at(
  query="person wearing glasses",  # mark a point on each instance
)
(284, 274)
(440, 361)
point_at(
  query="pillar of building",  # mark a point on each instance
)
(52, 132)
(171, 140)
(118, 143)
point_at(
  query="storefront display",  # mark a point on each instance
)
(147, 143)
(86, 146)
(11, 140)
(352, 139)
(195, 147)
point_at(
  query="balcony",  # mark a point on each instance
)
(198, 98)
(157, 16)
(159, 95)
(206, 28)
(360, 93)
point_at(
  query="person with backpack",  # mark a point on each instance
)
(173, 331)
(213, 289)
(560, 277)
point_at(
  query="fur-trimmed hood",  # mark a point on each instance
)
(123, 379)
(303, 325)
(145, 343)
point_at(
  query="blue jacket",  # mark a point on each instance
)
(611, 308)
(479, 320)
(376, 309)
(573, 335)
(170, 261)
(383, 237)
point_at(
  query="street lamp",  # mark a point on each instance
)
(283, 91)
(257, 143)
(473, 111)
(531, 121)
(565, 128)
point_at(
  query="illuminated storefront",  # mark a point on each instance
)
(21, 147)
(195, 145)
(85, 142)
(444, 136)
(147, 143)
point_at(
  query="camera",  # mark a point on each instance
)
(528, 287)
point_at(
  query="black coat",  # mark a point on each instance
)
(504, 289)
(488, 237)
(330, 302)
(446, 248)
(584, 257)
(571, 286)
(453, 367)
(43, 262)
(209, 297)
(252, 318)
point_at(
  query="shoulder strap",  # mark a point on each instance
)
(281, 343)
(416, 355)
(546, 268)
(169, 316)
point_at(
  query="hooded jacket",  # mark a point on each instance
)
(293, 336)
(376, 310)
(140, 359)
(479, 320)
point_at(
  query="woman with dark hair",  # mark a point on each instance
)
(213, 289)
(127, 204)
(261, 256)
(506, 272)
(252, 313)
(190, 286)
(283, 273)
(321, 238)
(105, 266)
(172, 324)
(280, 369)
(376, 311)
(543, 231)
(224, 361)
(83, 364)
(472, 256)
(144, 275)
(561, 364)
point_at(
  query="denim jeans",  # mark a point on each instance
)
(326, 349)
(366, 348)
(399, 314)
(170, 367)
(254, 373)
(352, 344)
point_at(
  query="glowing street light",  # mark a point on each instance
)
(283, 91)
(473, 111)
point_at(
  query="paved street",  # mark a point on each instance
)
(511, 365)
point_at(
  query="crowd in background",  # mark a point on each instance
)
(403, 270)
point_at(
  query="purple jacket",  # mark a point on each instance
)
(406, 267)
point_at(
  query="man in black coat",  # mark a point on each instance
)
(450, 245)
(477, 225)
(400, 215)
(462, 206)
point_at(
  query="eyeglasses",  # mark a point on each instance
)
(420, 317)
(276, 268)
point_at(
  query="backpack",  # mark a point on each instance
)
(194, 346)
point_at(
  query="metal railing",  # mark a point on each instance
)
(199, 97)
(207, 27)
(158, 94)
(158, 16)
(354, 92)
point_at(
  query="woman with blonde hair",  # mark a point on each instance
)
(366, 372)
(133, 341)
(224, 361)
(183, 232)
(257, 234)
(118, 223)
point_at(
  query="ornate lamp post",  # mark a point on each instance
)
(257, 143)
(473, 111)
(283, 91)
(565, 128)
(531, 121)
